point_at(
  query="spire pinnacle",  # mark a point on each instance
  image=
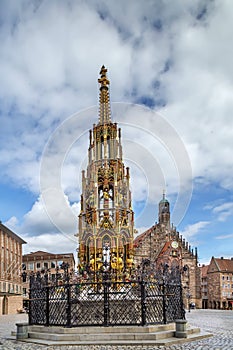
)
(104, 101)
(164, 194)
(163, 200)
(103, 80)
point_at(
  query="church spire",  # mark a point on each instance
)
(104, 101)
(164, 211)
(164, 194)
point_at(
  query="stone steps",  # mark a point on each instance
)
(104, 330)
(102, 337)
(128, 335)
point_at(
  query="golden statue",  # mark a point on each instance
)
(129, 261)
(92, 263)
(114, 262)
(99, 262)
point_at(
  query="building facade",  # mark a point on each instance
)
(42, 262)
(220, 283)
(106, 219)
(10, 271)
(163, 245)
(204, 286)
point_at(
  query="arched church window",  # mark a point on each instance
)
(101, 199)
(108, 147)
(101, 147)
(110, 192)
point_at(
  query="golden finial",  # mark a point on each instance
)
(103, 80)
(104, 103)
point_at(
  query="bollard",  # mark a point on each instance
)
(181, 329)
(22, 331)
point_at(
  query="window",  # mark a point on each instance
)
(38, 265)
(223, 278)
(101, 199)
(24, 292)
(24, 277)
(53, 264)
(31, 266)
(46, 265)
(59, 263)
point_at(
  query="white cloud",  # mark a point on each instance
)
(199, 87)
(223, 211)
(50, 214)
(224, 236)
(193, 230)
(60, 48)
(12, 223)
(177, 54)
(52, 243)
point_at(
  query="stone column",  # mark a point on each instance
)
(22, 331)
(181, 329)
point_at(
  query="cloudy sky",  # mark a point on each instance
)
(171, 73)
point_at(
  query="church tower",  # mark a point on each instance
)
(106, 219)
(164, 212)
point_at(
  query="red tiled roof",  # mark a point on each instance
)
(224, 264)
(45, 255)
(204, 270)
(39, 252)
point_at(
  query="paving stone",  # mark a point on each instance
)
(217, 322)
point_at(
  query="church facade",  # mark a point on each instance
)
(163, 245)
(106, 219)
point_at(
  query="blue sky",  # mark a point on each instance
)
(170, 68)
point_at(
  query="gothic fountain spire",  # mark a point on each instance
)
(104, 100)
(106, 219)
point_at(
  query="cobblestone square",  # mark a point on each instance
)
(217, 322)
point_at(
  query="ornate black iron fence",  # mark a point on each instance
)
(150, 299)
